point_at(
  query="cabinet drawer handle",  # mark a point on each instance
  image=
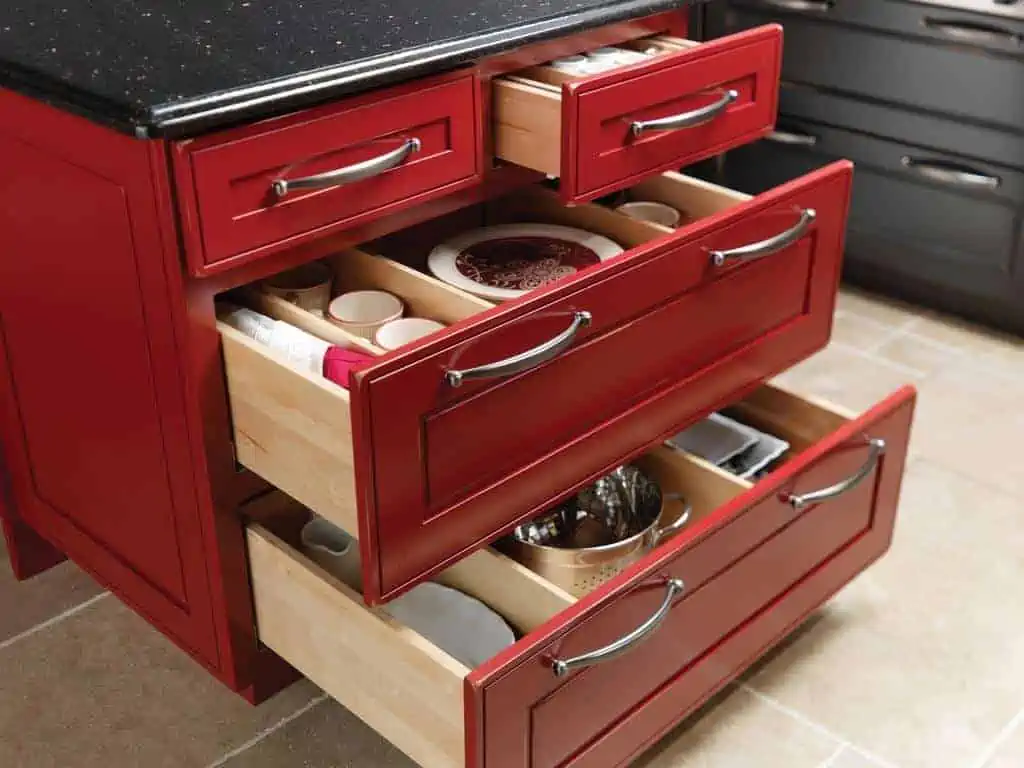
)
(972, 31)
(686, 119)
(562, 667)
(792, 138)
(524, 360)
(951, 173)
(769, 246)
(876, 447)
(350, 173)
(814, 6)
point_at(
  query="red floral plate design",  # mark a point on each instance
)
(507, 261)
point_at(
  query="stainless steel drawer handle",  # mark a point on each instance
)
(562, 667)
(350, 173)
(686, 119)
(801, 501)
(972, 31)
(792, 138)
(814, 6)
(766, 247)
(524, 360)
(946, 172)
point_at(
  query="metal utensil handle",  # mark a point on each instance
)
(792, 138)
(524, 360)
(350, 173)
(679, 523)
(972, 31)
(800, 501)
(769, 246)
(817, 6)
(950, 173)
(686, 119)
(562, 667)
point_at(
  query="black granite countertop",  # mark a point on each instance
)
(181, 67)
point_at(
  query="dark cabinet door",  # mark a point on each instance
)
(929, 225)
(964, 65)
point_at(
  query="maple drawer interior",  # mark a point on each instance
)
(397, 681)
(294, 429)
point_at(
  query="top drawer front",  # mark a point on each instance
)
(600, 153)
(228, 179)
(442, 470)
(961, 64)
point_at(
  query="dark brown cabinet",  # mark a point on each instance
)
(933, 119)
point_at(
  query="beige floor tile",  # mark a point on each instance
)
(849, 758)
(889, 312)
(987, 348)
(918, 661)
(328, 736)
(26, 604)
(102, 689)
(970, 419)
(919, 354)
(1010, 752)
(860, 332)
(846, 377)
(741, 731)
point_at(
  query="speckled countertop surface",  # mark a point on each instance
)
(179, 67)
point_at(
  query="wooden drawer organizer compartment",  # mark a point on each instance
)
(748, 568)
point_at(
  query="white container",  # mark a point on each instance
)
(404, 331)
(654, 213)
(364, 312)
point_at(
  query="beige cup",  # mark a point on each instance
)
(363, 312)
(308, 286)
(655, 213)
(398, 333)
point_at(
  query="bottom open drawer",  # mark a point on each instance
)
(754, 560)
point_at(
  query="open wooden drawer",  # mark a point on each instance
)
(602, 132)
(751, 564)
(426, 459)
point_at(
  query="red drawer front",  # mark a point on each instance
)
(233, 214)
(738, 565)
(441, 470)
(599, 152)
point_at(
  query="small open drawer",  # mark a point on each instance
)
(602, 132)
(593, 682)
(443, 445)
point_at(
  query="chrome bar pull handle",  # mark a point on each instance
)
(972, 31)
(562, 667)
(946, 172)
(801, 501)
(350, 173)
(524, 360)
(766, 247)
(792, 138)
(812, 6)
(686, 119)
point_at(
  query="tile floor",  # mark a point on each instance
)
(918, 664)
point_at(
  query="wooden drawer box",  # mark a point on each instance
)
(754, 561)
(425, 472)
(255, 189)
(603, 132)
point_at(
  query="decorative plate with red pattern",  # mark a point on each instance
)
(507, 261)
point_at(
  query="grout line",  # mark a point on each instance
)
(831, 759)
(261, 735)
(800, 717)
(998, 741)
(898, 367)
(53, 620)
